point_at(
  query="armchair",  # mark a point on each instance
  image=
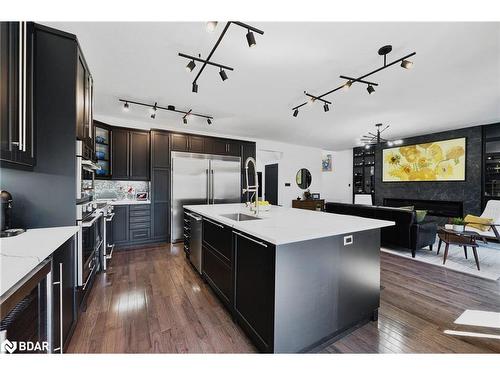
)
(491, 211)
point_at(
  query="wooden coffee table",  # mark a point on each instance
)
(464, 239)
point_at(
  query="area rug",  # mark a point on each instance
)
(489, 259)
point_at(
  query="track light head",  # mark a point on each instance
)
(184, 120)
(295, 113)
(370, 89)
(223, 74)
(171, 107)
(407, 64)
(153, 116)
(195, 87)
(367, 146)
(153, 112)
(251, 39)
(326, 108)
(211, 25)
(190, 66)
(347, 85)
(126, 107)
(209, 121)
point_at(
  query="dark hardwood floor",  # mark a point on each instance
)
(151, 300)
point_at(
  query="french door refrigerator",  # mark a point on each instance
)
(202, 179)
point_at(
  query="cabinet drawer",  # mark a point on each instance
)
(218, 273)
(145, 225)
(218, 237)
(139, 234)
(140, 207)
(140, 213)
(139, 219)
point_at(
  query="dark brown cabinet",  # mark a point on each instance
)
(131, 225)
(247, 150)
(160, 185)
(63, 276)
(129, 155)
(17, 125)
(221, 146)
(188, 143)
(84, 102)
(160, 149)
(120, 225)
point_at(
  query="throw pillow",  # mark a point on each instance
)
(477, 222)
(420, 215)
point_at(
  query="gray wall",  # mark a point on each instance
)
(468, 191)
(46, 197)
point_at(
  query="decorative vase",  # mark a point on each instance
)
(448, 226)
(458, 228)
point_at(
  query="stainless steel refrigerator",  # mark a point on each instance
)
(202, 179)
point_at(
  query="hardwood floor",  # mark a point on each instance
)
(151, 300)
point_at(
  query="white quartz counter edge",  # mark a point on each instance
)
(19, 255)
(283, 225)
(123, 202)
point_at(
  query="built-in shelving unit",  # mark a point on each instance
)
(363, 178)
(103, 150)
(491, 163)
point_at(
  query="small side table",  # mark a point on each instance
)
(464, 239)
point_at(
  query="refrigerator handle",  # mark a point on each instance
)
(212, 180)
(208, 186)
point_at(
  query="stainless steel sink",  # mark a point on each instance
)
(240, 217)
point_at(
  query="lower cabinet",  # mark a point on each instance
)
(63, 292)
(132, 225)
(254, 289)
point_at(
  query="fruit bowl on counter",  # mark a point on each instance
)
(263, 206)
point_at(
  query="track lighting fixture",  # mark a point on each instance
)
(311, 101)
(347, 85)
(190, 66)
(195, 87)
(383, 51)
(185, 121)
(295, 113)
(222, 74)
(126, 106)
(406, 64)
(211, 25)
(326, 108)
(153, 109)
(251, 39)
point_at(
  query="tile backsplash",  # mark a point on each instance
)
(108, 189)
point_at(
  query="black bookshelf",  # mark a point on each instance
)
(491, 163)
(363, 178)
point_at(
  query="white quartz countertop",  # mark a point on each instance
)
(123, 202)
(19, 255)
(282, 225)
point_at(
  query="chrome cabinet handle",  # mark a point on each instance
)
(25, 39)
(250, 239)
(60, 283)
(110, 255)
(214, 223)
(212, 180)
(197, 218)
(20, 88)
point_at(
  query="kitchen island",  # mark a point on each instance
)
(291, 278)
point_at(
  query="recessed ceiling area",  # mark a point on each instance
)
(455, 80)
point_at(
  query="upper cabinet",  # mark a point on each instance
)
(130, 154)
(84, 102)
(221, 146)
(188, 143)
(17, 130)
(160, 149)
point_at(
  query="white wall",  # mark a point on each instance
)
(337, 185)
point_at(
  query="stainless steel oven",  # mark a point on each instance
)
(85, 171)
(90, 240)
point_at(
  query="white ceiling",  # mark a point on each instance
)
(455, 81)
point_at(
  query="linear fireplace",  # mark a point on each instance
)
(433, 207)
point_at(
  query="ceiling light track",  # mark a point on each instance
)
(211, 26)
(383, 51)
(154, 107)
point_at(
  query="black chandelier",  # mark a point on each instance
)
(383, 51)
(222, 68)
(373, 139)
(155, 107)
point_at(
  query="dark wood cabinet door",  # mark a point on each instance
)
(119, 154)
(120, 224)
(160, 149)
(219, 238)
(160, 184)
(161, 220)
(63, 260)
(139, 156)
(180, 142)
(17, 125)
(196, 144)
(81, 93)
(219, 147)
(254, 289)
(218, 274)
(233, 148)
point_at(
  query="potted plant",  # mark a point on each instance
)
(458, 224)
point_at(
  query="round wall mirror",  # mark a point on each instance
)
(303, 178)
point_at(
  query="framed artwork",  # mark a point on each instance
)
(327, 163)
(434, 161)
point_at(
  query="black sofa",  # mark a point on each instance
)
(406, 233)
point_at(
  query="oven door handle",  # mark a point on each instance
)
(88, 277)
(88, 224)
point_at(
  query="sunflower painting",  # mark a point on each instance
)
(436, 161)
